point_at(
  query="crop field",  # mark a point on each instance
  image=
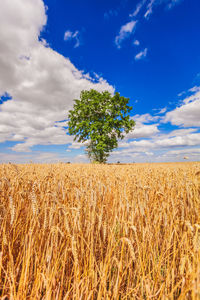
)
(100, 231)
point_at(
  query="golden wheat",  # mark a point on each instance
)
(100, 231)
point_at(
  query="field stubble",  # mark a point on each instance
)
(100, 231)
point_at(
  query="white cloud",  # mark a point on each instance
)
(162, 111)
(194, 89)
(141, 54)
(41, 157)
(188, 114)
(138, 8)
(181, 132)
(151, 140)
(42, 82)
(69, 35)
(145, 118)
(181, 94)
(149, 8)
(178, 141)
(158, 149)
(136, 43)
(125, 32)
(143, 131)
(76, 145)
(187, 151)
(148, 143)
(128, 28)
(153, 3)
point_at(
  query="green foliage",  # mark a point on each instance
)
(101, 119)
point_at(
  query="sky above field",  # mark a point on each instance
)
(147, 50)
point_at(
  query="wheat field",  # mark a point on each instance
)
(100, 231)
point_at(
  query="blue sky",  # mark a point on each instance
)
(148, 50)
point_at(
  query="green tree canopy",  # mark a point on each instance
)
(101, 119)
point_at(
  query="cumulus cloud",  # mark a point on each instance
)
(42, 85)
(69, 35)
(41, 82)
(158, 148)
(178, 141)
(145, 118)
(141, 54)
(181, 132)
(143, 131)
(147, 142)
(187, 114)
(147, 138)
(125, 31)
(188, 151)
(76, 145)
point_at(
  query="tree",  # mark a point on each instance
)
(100, 119)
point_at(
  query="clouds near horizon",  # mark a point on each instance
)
(188, 113)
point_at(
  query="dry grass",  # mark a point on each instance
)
(100, 232)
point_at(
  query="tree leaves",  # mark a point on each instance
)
(101, 119)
